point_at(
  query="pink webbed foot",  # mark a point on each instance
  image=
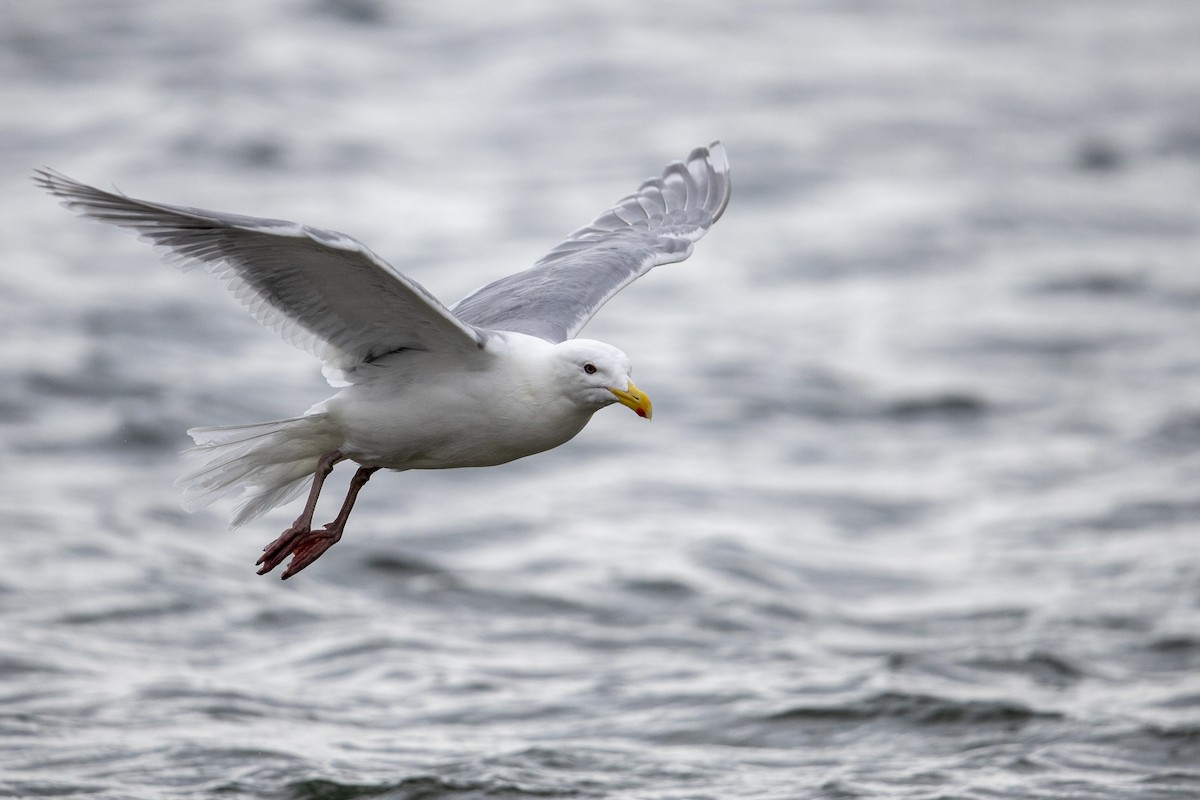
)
(300, 541)
(304, 546)
(310, 548)
(274, 553)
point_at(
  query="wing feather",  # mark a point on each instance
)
(322, 291)
(655, 225)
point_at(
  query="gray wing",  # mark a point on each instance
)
(322, 291)
(655, 225)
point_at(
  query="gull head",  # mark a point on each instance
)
(594, 374)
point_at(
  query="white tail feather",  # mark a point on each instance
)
(268, 462)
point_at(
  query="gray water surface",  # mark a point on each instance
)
(916, 516)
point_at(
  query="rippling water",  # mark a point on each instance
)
(917, 513)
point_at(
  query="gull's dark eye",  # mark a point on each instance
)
(589, 368)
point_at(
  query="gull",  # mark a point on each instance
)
(495, 377)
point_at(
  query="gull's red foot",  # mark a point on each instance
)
(310, 548)
(304, 544)
(274, 553)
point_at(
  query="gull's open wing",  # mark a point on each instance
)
(322, 291)
(655, 225)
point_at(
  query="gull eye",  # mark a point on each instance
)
(589, 368)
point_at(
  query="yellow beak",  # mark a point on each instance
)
(636, 399)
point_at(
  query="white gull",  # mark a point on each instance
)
(495, 377)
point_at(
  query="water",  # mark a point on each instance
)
(917, 513)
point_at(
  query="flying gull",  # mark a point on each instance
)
(495, 377)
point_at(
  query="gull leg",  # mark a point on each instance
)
(315, 543)
(277, 551)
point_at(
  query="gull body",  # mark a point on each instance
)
(496, 377)
(527, 396)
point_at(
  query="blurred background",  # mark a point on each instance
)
(917, 513)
